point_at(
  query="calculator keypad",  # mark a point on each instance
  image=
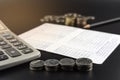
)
(13, 50)
(12, 46)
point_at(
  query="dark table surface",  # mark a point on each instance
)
(22, 15)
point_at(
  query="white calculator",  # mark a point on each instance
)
(13, 50)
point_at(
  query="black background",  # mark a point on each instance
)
(23, 15)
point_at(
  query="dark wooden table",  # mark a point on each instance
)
(22, 15)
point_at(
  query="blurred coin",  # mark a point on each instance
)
(67, 64)
(42, 20)
(60, 21)
(51, 65)
(69, 21)
(37, 65)
(84, 64)
(79, 22)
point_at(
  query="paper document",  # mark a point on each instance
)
(72, 42)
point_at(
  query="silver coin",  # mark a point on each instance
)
(84, 64)
(67, 64)
(51, 65)
(37, 65)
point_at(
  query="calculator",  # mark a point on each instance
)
(13, 50)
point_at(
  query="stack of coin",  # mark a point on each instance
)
(69, 19)
(60, 20)
(84, 64)
(67, 64)
(79, 22)
(37, 65)
(51, 65)
(48, 18)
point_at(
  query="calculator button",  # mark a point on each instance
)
(5, 46)
(3, 43)
(1, 53)
(17, 43)
(3, 57)
(9, 37)
(20, 47)
(13, 40)
(5, 34)
(12, 52)
(26, 51)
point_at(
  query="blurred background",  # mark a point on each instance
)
(19, 14)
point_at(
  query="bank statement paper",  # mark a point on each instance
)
(72, 42)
